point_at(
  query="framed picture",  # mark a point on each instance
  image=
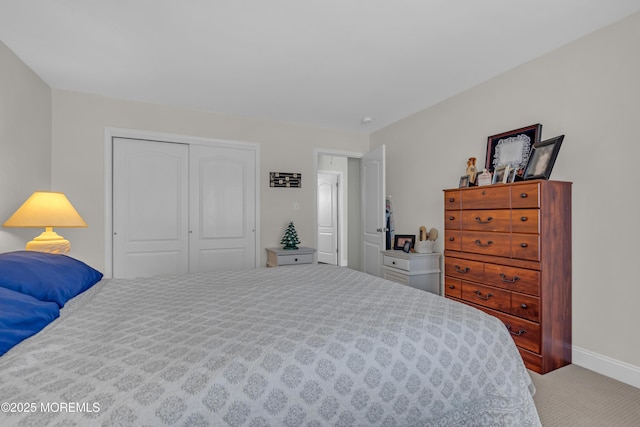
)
(464, 181)
(500, 174)
(400, 239)
(484, 178)
(512, 175)
(512, 148)
(543, 157)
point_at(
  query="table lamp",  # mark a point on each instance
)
(47, 209)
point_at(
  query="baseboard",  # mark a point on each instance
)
(612, 368)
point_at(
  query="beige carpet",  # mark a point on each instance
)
(575, 396)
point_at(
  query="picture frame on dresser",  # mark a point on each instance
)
(512, 147)
(500, 174)
(464, 181)
(542, 158)
(400, 239)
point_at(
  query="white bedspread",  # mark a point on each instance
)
(291, 346)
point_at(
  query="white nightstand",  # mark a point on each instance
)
(278, 256)
(421, 271)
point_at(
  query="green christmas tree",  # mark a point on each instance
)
(290, 238)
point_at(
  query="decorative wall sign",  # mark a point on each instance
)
(285, 179)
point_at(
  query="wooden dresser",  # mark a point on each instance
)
(508, 253)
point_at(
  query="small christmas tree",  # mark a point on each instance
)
(290, 238)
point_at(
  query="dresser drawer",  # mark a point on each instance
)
(452, 200)
(513, 278)
(452, 220)
(497, 197)
(525, 334)
(525, 221)
(525, 196)
(452, 240)
(495, 298)
(402, 264)
(453, 287)
(464, 269)
(486, 243)
(487, 220)
(524, 246)
(525, 306)
(295, 259)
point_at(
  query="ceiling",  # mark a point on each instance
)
(323, 62)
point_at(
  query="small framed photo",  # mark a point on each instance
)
(500, 174)
(511, 148)
(399, 241)
(511, 177)
(484, 178)
(464, 181)
(542, 158)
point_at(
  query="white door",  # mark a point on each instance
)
(373, 210)
(222, 208)
(150, 208)
(328, 218)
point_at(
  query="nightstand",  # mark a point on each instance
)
(277, 256)
(420, 271)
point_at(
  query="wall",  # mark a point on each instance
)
(25, 143)
(79, 122)
(355, 214)
(589, 91)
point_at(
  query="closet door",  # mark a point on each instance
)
(150, 208)
(222, 208)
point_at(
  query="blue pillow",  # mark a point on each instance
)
(44, 276)
(22, 316)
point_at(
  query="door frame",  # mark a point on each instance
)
(327, 152)
(111, 132)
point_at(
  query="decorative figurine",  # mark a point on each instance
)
(471, 170)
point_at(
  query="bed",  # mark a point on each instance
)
(310, 345)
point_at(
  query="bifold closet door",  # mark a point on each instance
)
(150, 208)
(222, 208)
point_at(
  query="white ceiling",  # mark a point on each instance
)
(322, 62)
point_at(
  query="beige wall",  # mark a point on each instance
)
(79, 122)
(589, 91)
(25, 142)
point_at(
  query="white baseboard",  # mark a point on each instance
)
(612, 368)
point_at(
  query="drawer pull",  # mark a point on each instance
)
(504, 279)
(461, 270)
(483, 245)
(523, 195)
(523, 218)
(480, 221)
(517, 334)
(523, 245)
(393, 262)
(295, 259)
(451, 287)
(489, 295)
(451, 239)
(523, 305)
(451, 218)
(451, 200)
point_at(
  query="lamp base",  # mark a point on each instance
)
(51, 242)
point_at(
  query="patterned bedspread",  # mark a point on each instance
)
(291, 346)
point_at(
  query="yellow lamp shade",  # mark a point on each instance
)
(47, 209)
